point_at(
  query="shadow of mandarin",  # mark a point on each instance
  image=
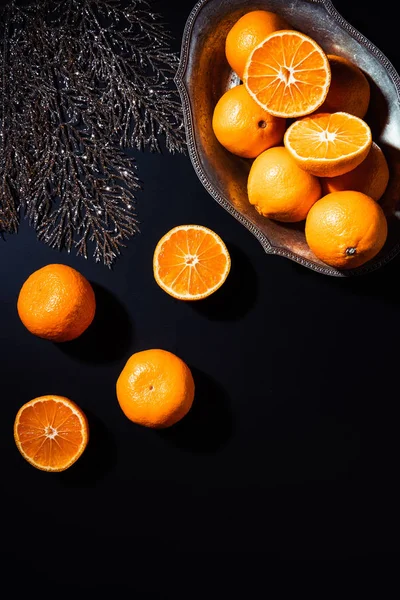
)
(208, 426)
(109, 336)
(237, 295)
(98, 458)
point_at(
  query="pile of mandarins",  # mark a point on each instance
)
(299, 116)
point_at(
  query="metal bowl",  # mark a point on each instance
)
(204, 75)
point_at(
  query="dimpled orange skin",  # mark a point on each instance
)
(155, 388)
(349, 90)
(247, 33)
(371, 177)
(279, 189)
(56, 303)
(346, 229)
(243, 127)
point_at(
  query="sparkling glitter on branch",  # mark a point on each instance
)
(82, 82)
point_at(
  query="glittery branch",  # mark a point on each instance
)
(82, 185)
(13, 162)
(82, 82)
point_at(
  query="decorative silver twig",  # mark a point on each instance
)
(83, 81)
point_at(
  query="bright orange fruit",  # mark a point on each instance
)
(371, 177)
(288, 74)
(155, 388)
(328, 144)
(242, 126)
(51, 432)
(248, 31)
(279, 188)
(191, 262)
(346, 229)
(349, 90)
(56, 303)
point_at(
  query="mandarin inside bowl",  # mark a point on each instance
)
(204, 75)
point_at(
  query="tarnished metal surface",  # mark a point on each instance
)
(204, 75)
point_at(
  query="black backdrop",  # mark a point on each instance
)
(291, 448)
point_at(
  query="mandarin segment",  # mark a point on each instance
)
(190, 262)
(51, 432)
(288, 74)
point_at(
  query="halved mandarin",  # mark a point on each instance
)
(191, 262)
(288, 74)
(328, 144)
(51, 432)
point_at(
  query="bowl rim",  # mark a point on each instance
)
(180, 82)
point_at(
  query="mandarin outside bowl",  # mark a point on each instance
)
(204, 75)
